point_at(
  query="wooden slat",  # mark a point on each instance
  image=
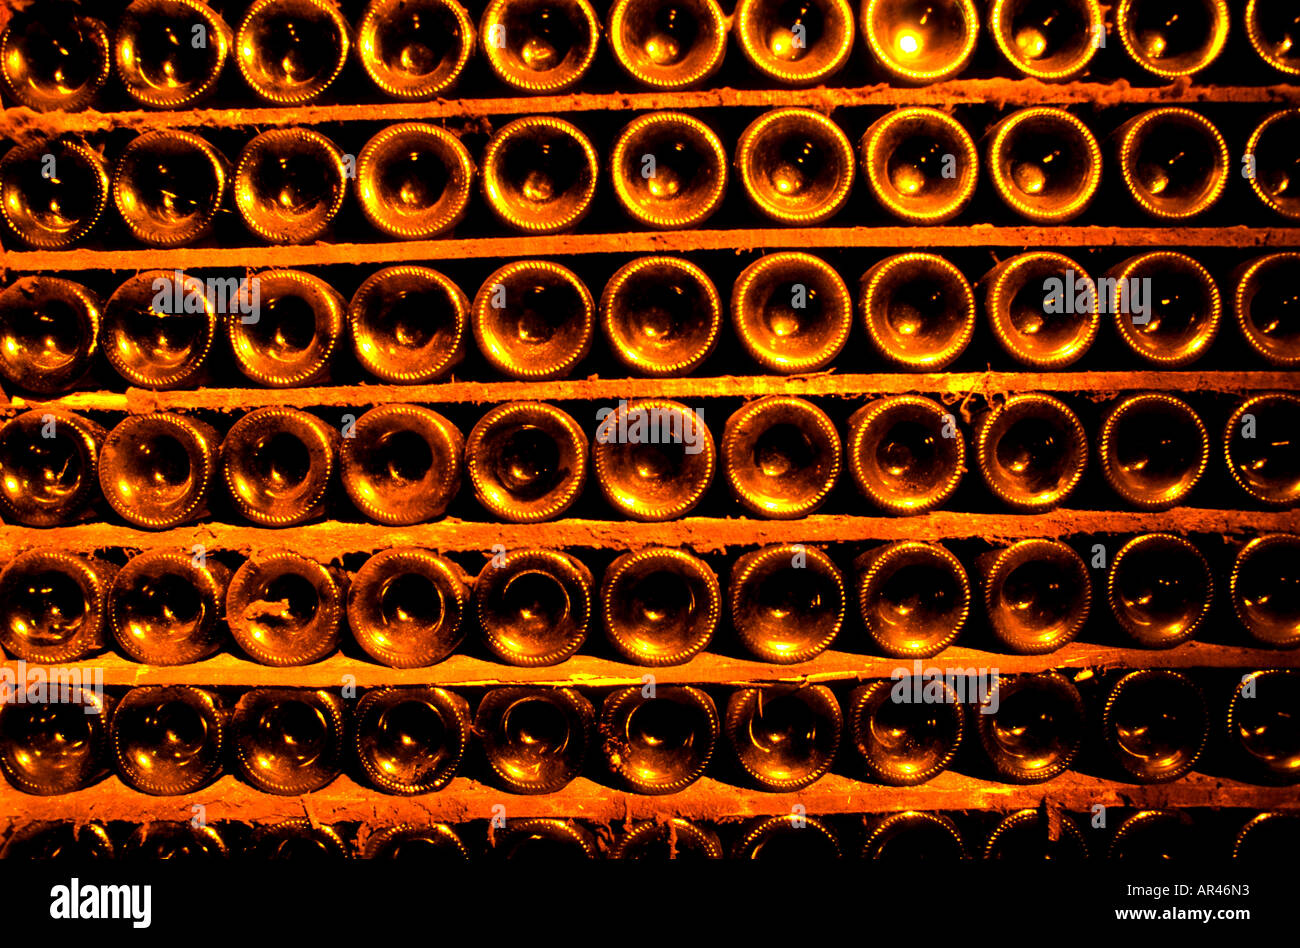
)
(706, 668)
(137, 401)
(885, 237)
(465, 799)
(333, 539)
(997, 91)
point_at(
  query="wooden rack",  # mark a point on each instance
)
(466, 799)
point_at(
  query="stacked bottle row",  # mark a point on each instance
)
(171, 53)
(668, 170)
(659, 316)
(784, 603)
(906, 837)
(1147, 726)
(653, 460)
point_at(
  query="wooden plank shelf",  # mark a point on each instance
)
(849, 385)
(707, 668)
(1003, 92)
(464, 799)
(332, 539)
(887, 236)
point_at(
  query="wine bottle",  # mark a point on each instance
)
(1153, 450)
(1263, 455)
(1037, 593)
(538, 47)
(54, 57)
(1031, 451)
(669, 170)
(919, 311)
(278, 465)
(1261, 725)
(784, 840)
(1265, 589)
(527, 461)
(1030, 835)
(1031, 726)
(920, 43)
(43, 840)
(53, 193)
(289, 184)
(53, 605)
(414, 180)
(667, 44)
(1267, 837)
(1264, 302)
(290, 51)
(539, 174)
(661, 316)
(533, 320)
(795, 44)
(167, 607)
(784, 736)
(1048, 41)
(786, 601)
(535, 739)
(296, 839)
(1043, 308)
(1172, 40)
(168, 186)
(661, 606)
(409, 324)
(912, 836)
(534, 606)
(401, 464)
(671, 839)
(1154, 723)
(1271, 31)
(654, 459)
(1173, 161)
(183, 841)
(284, 609)
(906, 729)
(156, 470)
(792, 312)
(288, 740)
(661, 743)
(414, 49)
(170, 53)
(913, 597)
(49, 329)
(1160, 589)
(168, 740)
(433, 843)
(905, 453)
(1045, 164)
(1270, 154)
(921, 163)
(1154, 836)
(158, 329)
(796, 166)
(545, 842)
(285, 328)
(54, 747)
(406, 607)
(1166, 307)
(49, 461)
(781, 456)
(411, 740)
